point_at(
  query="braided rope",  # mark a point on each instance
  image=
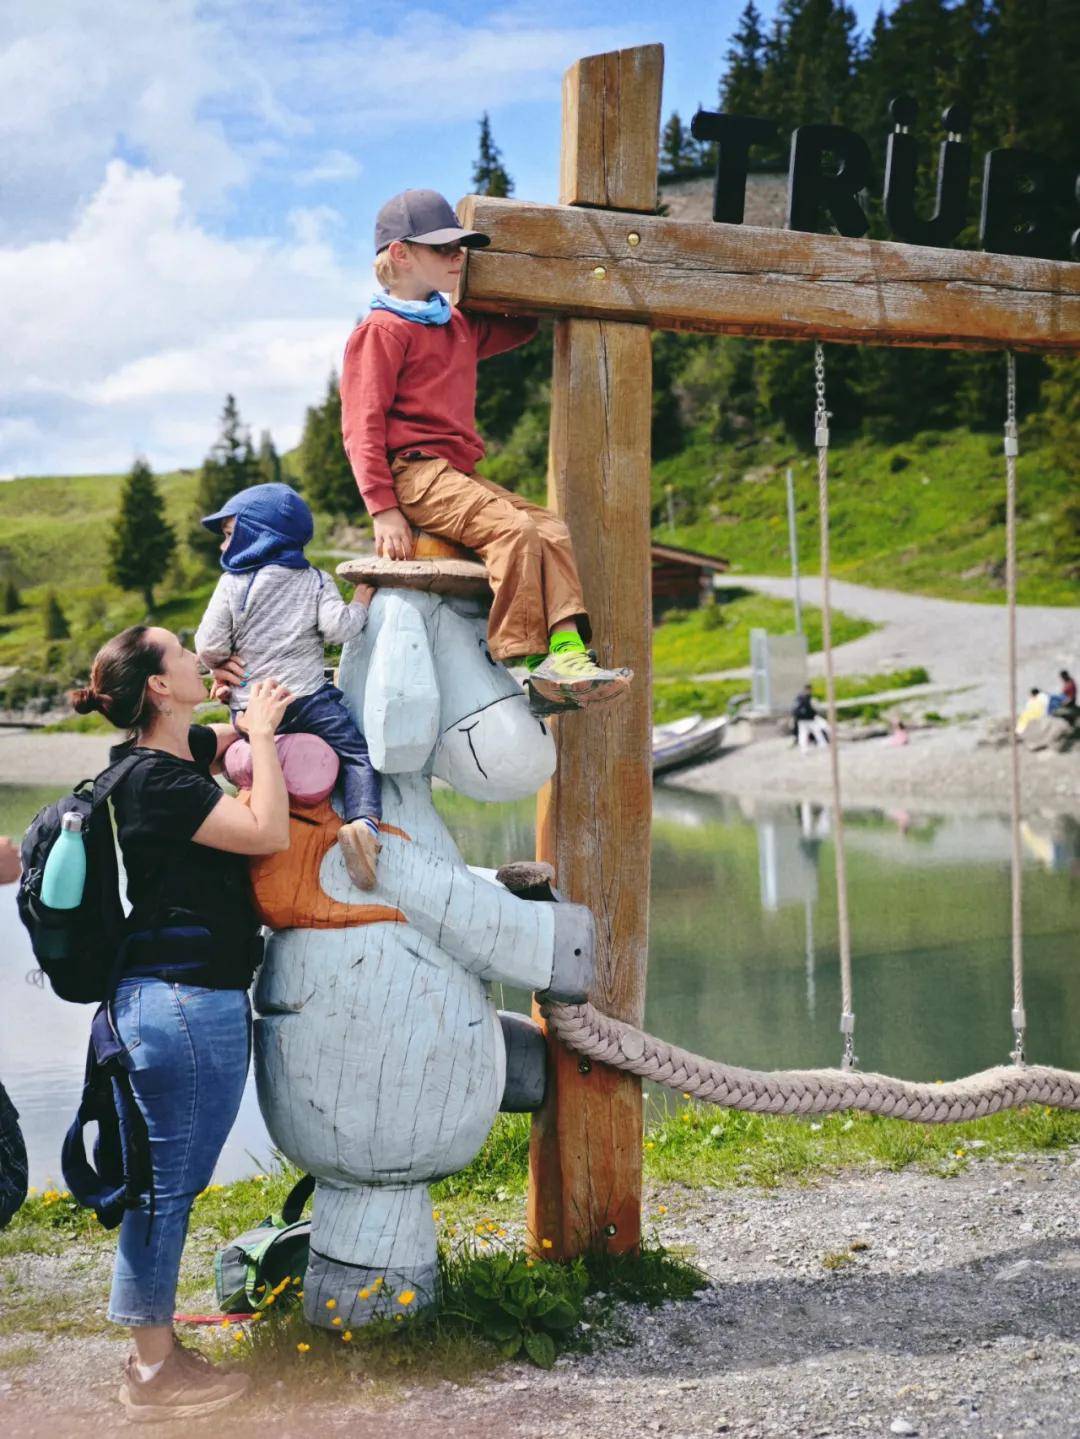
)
(810, 1091)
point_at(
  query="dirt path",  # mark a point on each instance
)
(962, 645)
(958, 1312)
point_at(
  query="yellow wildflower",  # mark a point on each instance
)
(364, 1294)
(337, 1319)
(661, 1209)
(399, 1317)
(302, 1348)
(546, 1244)
(346, 1338)
(297, 1280)
(436, 1215)
(256, 1316)
(406, 1296)
(331, 1304)
(377, 1284)
(270, 1299)
(502, 1233)
(650, 1144)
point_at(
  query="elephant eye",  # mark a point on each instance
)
(487, 654)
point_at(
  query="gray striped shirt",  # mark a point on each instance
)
(277, 622)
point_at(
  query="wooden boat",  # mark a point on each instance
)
(691, 740)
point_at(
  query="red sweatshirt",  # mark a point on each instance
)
(410, 386)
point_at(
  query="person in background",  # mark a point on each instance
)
(809, 726)
(13, 1166)
(1037, 708)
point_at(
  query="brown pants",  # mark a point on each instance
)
(525, 549)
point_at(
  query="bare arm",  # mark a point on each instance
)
(262, 825)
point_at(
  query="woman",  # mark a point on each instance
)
(181, 1007)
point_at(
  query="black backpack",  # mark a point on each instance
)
(77, 948)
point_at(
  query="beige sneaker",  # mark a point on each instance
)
(360, 850)
(575, 678)
(185, 1387)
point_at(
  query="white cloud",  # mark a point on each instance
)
(127, 333)
(331, 168)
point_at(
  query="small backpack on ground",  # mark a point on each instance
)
(248, 1269)
(77, 948)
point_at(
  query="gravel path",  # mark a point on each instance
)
(962, 645)
(957, 1312)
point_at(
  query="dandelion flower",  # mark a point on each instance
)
(399, 1317)
(256, 1316)
(406, 1296)
(436, 1215)
(271, 1299)
(337, 1319)
(546, 1244)
(364, 1294)
(302, 1348)
(650, 1144)
(346, 1338)
(297, 1281)
(661, 1209)
(502, 1234)
(331, 1304)
(377, 1284)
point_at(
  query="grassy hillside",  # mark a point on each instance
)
(927, 515)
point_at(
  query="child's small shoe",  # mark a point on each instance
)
(574, 677)
(360, 850)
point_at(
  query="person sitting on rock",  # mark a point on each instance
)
(408, 409)
(270, 615)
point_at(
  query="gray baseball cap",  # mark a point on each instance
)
(423, 216)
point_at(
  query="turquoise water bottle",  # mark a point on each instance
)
(65, 869)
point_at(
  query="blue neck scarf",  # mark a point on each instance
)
(435, 310)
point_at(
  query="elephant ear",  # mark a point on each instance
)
(401, 697)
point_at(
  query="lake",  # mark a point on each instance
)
(743, 953)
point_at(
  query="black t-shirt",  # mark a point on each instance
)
(170, 880)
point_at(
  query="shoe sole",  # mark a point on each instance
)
(581, 692)
(160, 1413)
(359, 865)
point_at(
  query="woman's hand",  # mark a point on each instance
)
(363, 595)
(266, 707)
(393, 535)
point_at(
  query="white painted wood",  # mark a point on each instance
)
(380, 1059)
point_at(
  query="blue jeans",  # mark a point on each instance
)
(324, 714)
(187, 1052)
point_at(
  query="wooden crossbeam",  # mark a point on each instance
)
(775, 284)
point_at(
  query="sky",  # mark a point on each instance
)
(188, 190)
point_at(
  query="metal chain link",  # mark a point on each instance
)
(849, 1059)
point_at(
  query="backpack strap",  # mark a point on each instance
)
(297, 1197)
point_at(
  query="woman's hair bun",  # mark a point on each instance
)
(84, 701)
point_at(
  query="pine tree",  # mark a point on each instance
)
(489, 176)
(55, 621)
(12, 603)
(142, 542)
(229, 467)
(269, 460)
(740, 88)
(678, 149)
(324, 465)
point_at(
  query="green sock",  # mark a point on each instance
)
(564, 641)
(533, 662)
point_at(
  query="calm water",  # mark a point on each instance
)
(743, 953)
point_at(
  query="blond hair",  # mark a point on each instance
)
(385, 269)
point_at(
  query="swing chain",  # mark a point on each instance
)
(1012, 439)
(821, 414)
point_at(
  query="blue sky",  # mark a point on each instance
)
(188, 187)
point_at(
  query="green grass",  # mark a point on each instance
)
(718, 636)
(925, 516)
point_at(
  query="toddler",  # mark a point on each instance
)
(271, 613)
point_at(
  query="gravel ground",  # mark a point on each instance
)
(940, 769)
(957, 1312)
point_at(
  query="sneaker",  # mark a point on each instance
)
(575, 678)
(360, 850)
(185, 1387)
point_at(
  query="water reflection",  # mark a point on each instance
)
(743, 952)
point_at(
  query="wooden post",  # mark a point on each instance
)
(593, 821)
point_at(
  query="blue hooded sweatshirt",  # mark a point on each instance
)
(273, 524)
